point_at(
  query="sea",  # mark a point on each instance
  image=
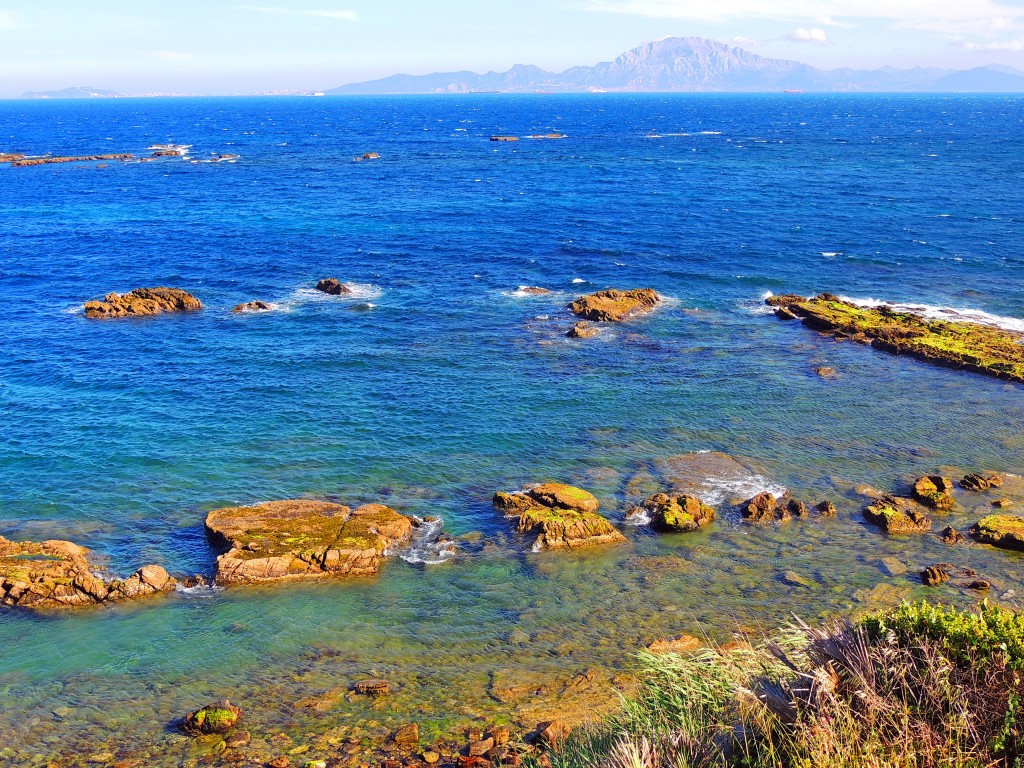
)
(439, 381)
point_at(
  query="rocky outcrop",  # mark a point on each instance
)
(51, 160)
(504, 138)
(212, 719)
(302, 539)
(561, 516)
(534, 290)
(969, 346)
(1003, 531)
(614, 306)
(978, 482)
(333, 287)
(677, 514)
(934, 491)
(582, 330)
(934, 575)
(764, 507)
(58, 574)
(143, 302)
(898, 516)
(253, 306)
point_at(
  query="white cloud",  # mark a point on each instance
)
(745, 42)
(338, 15)
(174, 55)
(947, 16)
(1011, 46)
(808, 36)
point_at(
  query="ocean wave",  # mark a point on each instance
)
(578, 280)
(718, 490)
(637, 516)
(427, 546)
(200, 590)
(932, 312)
(361, 293)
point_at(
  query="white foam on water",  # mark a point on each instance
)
(715, 491)
(202, 590)
(578, 280)
(360, 293)
(931, 312)
(523, 292)
(637, 516)
(831, 254)
(425, 549)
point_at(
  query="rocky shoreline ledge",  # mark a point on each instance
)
(968, 346)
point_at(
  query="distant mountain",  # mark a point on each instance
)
(81, 92)
(688, 64)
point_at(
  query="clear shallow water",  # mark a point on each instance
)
(121, 435)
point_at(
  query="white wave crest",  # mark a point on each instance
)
(637, 516)
(716, 490)
(427, 547)
(360, 293)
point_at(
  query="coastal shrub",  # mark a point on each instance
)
(920, 686)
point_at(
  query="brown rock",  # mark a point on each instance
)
(934, 491)
(501, 734)
(480, 748)
(562, 517)
(825, 371)
(826, 508)
(796, 508)
(279, 762)
(615, 306)
(978, 482)
(213, 718)
(677, 514)
(143, 302)
(504, 138)
(934, 575)
(582, 330)
(784, 300)
(551, 734)
(55, 574)
(564, 497)
(898, 516)
(371, 156)
(1004, 531)
(302, 539)
(762, 508)
(1002, 503)
(253, 306)
(979, 585)
(951, 535)
(683, 644)
(237, 740)
(374, 687)
(430, 757)
(333, 287)
(533, 290)
(406, 737)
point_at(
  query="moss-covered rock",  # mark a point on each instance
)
(58, 574)
(935, 491)
(898, 516)
(615, 306)
(561, 516)
(763, 508)
(677, 514)
(303, 539)
(212, 719)
(969, 346)
(1004, 531)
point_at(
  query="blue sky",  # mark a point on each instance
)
(226, 47)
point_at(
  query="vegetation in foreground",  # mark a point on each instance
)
(917, 686)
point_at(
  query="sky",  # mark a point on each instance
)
(214, 47)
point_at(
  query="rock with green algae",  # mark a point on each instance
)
(58, 574)
(216, 718)
(970, 346)
(898, 516)
(677, 514)
(304, 539)
(613, 306)
(562, 516)
(1003, 531)
(935, 491)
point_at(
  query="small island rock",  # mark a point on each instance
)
(303, 539)
(333, 287)
(1003, 531)
(615, 306)
(143, 302)
(934, 491)
(678, 514)
(562, 516)
(253, 306)
(213, 718)
(582, 330)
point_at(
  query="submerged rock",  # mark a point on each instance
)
(562, 516)
(677, 514)
(1003, 531)
(582, 330)
(615, 306)
(534, 290)
(898, 516)
(302, 539)
(951, 536)
(934, 575)
(213, 718)
(935, 491)
(253, 306)
(333, 287)
(372, 687)
(57, 574)
(969, 346)
(826, 508)
(682, 644)
(143, 302)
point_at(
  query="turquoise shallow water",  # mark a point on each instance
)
(121, 435)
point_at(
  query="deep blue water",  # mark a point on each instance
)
(437, 385)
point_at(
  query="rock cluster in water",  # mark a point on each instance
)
(561, 516)
(302, 539)
(143, 302)
(970, 346)
(54, 574)
(677, 514)
(613, 306)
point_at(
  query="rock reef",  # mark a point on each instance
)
(303, 539)
(677, 514)
(51, 160)
(253, 306)
(613, 306)
(897, 515)
(561, 516)
(143, 302)
(969, 346)
(1003, 531)
(58, 574)
(333, 287)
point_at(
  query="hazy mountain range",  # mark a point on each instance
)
(675, 64)
(696, 64)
